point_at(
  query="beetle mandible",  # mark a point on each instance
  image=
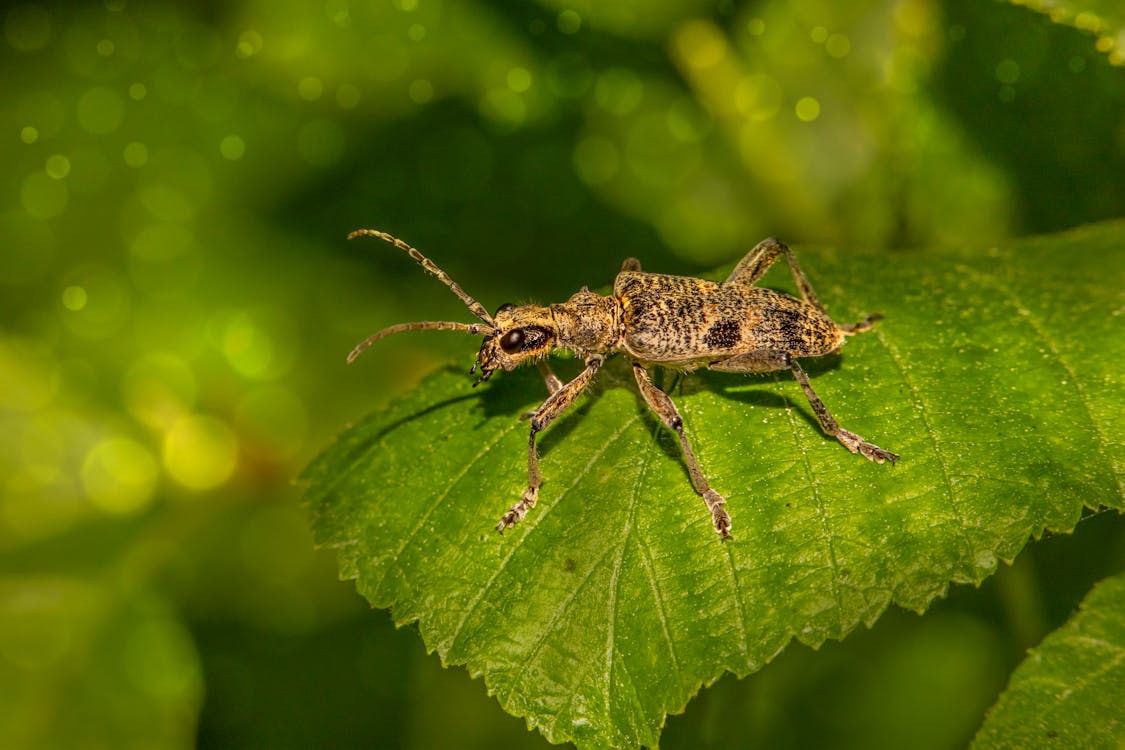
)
(675, 322)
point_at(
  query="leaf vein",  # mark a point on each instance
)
(822, 516)
(562, 609)
(544, 511)
(646, 561)
(443, 496)
(1072, 375)
(740, 605)
(614, 588)
(942, 462)
(566, 603)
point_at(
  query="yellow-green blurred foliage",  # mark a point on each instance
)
(176, 296)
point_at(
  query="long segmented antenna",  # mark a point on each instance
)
(475, 307)
(428, 325)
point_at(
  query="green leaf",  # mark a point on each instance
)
(1070, 690)
(994, 375)
(1103, 18)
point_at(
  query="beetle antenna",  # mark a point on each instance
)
(475, 307)
(428, 325)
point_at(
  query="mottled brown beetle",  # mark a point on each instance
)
(672, 321)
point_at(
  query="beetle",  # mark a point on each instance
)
(677, 322)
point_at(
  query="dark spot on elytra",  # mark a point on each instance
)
(723, 335)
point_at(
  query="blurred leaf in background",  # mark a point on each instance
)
(176, 296)
(1068, 690)
(55, 632)
(1103, 18)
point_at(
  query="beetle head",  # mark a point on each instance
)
(521, 333)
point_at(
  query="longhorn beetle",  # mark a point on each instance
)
(675, 322)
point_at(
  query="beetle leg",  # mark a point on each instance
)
(831, 427)
(660, 403)
(757, 262)
(756, 360)
(557, 403)
(768, 360)
(550, 378)
(553, 385)
(862, 325)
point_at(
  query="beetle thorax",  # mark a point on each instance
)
(588, 322)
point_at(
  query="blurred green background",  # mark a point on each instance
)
(177, 297)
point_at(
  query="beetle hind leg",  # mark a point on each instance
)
(751, 268)
(831, 427)
(769, 360)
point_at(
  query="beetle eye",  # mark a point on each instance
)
(504, 307)
(512, 340)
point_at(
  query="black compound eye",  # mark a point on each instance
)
(512, 340)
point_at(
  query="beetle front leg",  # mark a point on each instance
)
(660, 403)
(558, 402)
(551, 380)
